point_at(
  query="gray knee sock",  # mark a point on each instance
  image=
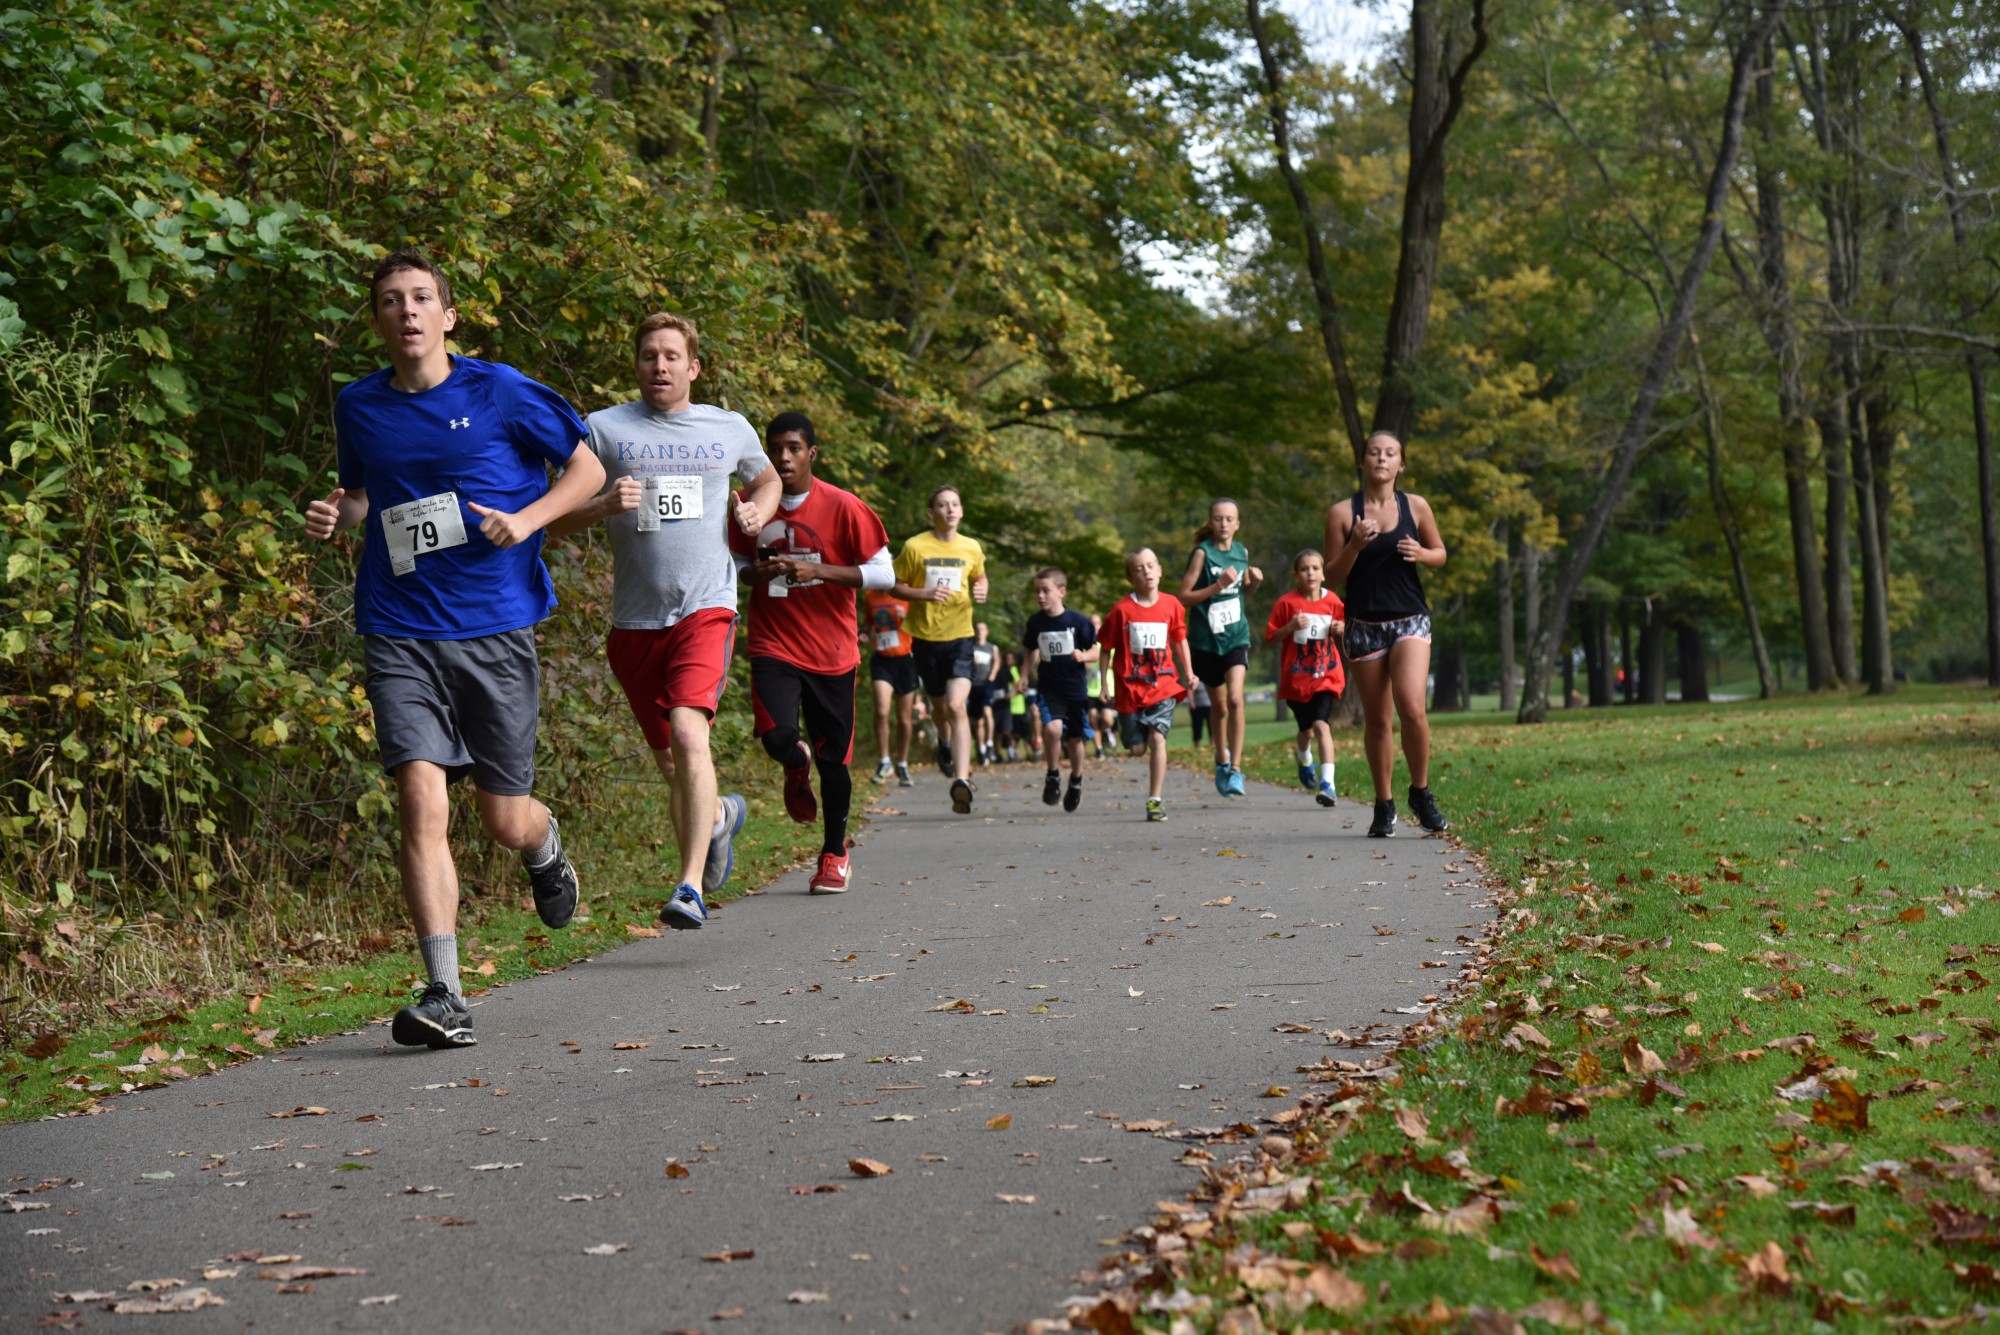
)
(534, 859)
(441, 959)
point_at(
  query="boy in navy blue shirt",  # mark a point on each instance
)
(1062, 642)
(443, 464)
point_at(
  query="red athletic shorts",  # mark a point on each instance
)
(685, 666)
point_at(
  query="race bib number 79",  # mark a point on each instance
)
(415, 528)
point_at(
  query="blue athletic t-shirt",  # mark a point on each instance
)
(486, 433)
(1057, 639)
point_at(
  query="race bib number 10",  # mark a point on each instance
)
(667, 497)
(1224, 613)
(416, 528)
(1144, 635)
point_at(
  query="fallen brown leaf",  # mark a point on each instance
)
(869, 1168)
(1765, 1271)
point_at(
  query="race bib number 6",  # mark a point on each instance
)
(1145, 635)
(667, 497)
(1224, 613)
(416, 528)
(1317, 627)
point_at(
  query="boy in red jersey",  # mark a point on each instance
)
(1310, 679)
(1143, 636)
(823, 544)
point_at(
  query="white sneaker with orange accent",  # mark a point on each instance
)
(831, 878)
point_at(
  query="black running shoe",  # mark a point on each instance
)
(1073, 795)
(944, 758)
(1426, 808)
(961, 797)
(439, 1019)
(1052, 789)
(1385, 819)
(555, 885)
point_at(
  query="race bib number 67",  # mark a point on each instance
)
(949, 578)
(416, 528)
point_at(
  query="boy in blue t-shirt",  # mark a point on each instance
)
(1063, 643)
(443, 464)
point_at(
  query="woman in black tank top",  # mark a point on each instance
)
(1375, 541)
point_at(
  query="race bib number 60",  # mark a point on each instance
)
(416, 528)
(1057, 643)
(667, 497)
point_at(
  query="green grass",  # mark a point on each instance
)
(620, 842)
(1750, 895)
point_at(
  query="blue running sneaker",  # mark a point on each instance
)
(1222, 780)
(1235, 788)
(1308, 780)
(1325, 794)
(684, 911)
(722, 844)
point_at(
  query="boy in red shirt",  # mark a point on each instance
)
(1310, 678)
(1143, 636)
(823, 544)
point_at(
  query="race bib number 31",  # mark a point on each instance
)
(1224, 613)
(416, 528)
(667, 497)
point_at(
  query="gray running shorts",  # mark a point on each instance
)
(1158, 717)
(468, 705)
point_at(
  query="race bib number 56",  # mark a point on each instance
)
(667, 497)
(416, 528)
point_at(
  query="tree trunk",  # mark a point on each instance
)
(1781, 337)
(1653, 654)
(1594, 621)
(1975, 367)
(1531, 591)
(1437, 95)
(1875, 663)
(1732, 534)
(1839, 568)
(1569, 678)
(1659, 362)
(1693, 661)
(1447, 695)
(719, 53)
(1331, 338)
(1503, 578)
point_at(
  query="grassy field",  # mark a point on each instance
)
(1727, 1064)
(621, 843)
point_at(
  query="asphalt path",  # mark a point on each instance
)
(702, 1094)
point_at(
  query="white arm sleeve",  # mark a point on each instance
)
(878, 571)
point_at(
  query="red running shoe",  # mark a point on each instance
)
(799, 801)
(831, 878)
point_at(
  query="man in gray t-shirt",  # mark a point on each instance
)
(669, 463)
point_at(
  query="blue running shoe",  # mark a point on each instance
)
(1235, 788)
(1325, 795)
(1307, 779)
(684, 911)
(722, 844)
(1222, 780)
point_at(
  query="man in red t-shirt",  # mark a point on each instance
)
(1143, 635)
(821, 545)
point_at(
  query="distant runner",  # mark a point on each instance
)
(1310, 619)
(1145, 638)
(943, 573)
(892, 672)
(1218, 574)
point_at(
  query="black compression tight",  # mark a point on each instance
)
(836, 784)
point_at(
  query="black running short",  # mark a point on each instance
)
(780, 692)
(938, 661)
(899, 670)
(1212, 669)
(1316, 708)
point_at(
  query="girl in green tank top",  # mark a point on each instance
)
(1218, 574)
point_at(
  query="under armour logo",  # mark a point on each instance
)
(458, 422)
